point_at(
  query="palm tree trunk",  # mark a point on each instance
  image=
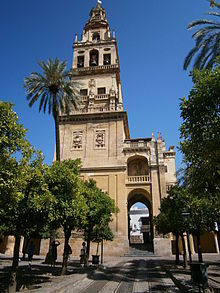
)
(13, 276)
(57, 136)
(57, 143)
(67, 234)
(56, 120)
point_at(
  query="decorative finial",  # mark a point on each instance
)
(153, 138)
(99, 2)
(75, 37)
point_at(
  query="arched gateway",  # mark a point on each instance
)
(143, 238)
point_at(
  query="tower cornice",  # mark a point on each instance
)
(92, 117)
(89, 44)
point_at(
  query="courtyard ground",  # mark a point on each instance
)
(123, 274)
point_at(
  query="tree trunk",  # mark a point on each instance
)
(184, 251)
(177, 249)
(88, 244)
(97, 249)
(14, 269)
(67, 234)
(102, 250)
(57, 143)
(199, 246)
(57, 134)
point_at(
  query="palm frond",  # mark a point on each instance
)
(203, 32)
(207, 43)
(189, 58)
(200, 22)
(213, 13)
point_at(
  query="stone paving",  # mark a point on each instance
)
(124, 274)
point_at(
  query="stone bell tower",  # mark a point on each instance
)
(130, 170)
(95, 133)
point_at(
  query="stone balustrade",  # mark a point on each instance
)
(84, 98)
(138, 179)
(131, 146)
(97, 97)
(102, 97)
(95, 68)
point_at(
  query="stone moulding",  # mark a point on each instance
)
(106, 116)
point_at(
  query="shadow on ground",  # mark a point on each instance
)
(39, 273)
(124, 272)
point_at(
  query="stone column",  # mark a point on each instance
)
(191, 244)
(216, 242)
(100, 58)
(86, 59)
(9, 249)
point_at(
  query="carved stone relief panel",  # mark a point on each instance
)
(92, 83)
(77, 140)
(100, 137)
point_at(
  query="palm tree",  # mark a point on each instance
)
(207, 47)
(55, 90)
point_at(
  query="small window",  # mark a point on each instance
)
(107, 59)
(101, 91)
(96, 37)
(80, 61)
(84, 92)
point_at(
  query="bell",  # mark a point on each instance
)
(93, 63)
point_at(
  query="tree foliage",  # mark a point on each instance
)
(207, 38)
(200, 132)
(203, 213)
(24, 196)
(55, 90)
(21, 177)
(69, 208)
(99, 214)
(170, 219)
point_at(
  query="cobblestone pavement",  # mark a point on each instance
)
(135, 275)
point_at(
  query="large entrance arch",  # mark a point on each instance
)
(144, 218)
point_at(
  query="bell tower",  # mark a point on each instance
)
(129, 170)
(96, 65)
(96, 131)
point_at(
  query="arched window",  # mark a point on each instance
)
(138, 166)
(94, 58)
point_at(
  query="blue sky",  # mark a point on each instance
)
(152, 40)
